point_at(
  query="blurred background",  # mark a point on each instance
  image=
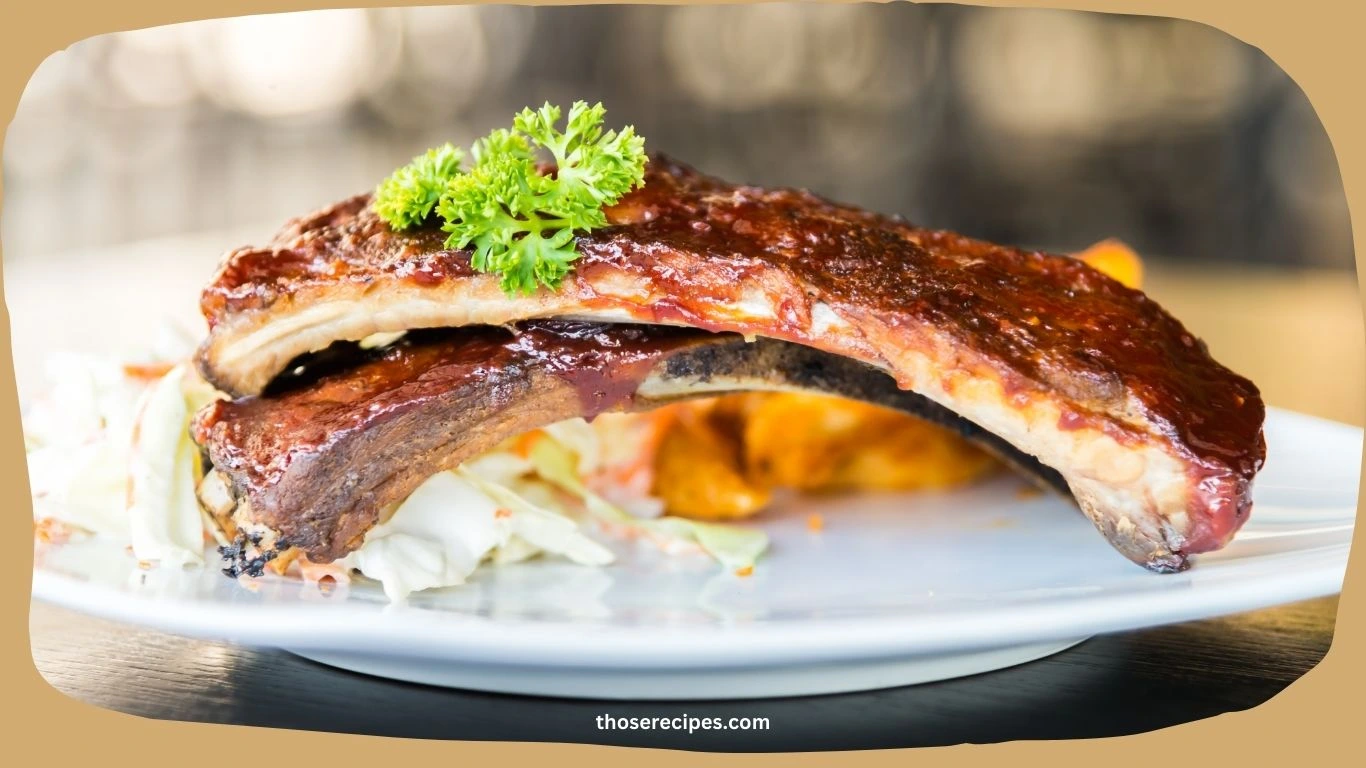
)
(1050, 129)
(135, 159)
(1046, 128)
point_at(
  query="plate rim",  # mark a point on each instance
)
(417, 632)
(513, 641)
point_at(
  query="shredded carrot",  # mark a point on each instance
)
(50, 531)
(815, 523)
(638, 475)
(746, 571)
(148, 371)
(619, 530)
(502, 514)
(524, 443)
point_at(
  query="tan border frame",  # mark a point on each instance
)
(1314, 41)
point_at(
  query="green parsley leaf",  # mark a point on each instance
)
(593, 167)
(501, 143)
(496, 209)
(409, 195)
(520, 222)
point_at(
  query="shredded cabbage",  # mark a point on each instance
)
(111, 454)
(82, 486)
(435, 538)
(163, 515)
(456, 520)
(540, 527)
(734, 546)
(77, 473)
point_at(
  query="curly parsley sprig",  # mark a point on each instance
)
(407, 197)
(521, 222)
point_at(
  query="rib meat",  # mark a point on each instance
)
(1157, 442)
(319, 459)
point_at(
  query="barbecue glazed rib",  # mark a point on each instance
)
(1157, 442)
(318, 460)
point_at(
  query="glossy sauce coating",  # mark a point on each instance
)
(1047, 322)
(346, 391)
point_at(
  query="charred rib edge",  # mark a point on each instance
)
(716, 368)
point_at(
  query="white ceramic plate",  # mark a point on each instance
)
(895, 590)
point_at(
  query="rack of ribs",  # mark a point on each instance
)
(710, 287)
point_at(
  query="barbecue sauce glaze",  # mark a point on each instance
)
(1047, 324)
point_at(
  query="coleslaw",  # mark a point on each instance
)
(110, 454)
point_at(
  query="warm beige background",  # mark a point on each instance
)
(1312, 40)
(1297, 334)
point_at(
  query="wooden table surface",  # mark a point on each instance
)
(1107, 686)
(1298, 334)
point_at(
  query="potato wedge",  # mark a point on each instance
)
(720, 459)
(822, 444)
(698, 472)
(798, 441)
(907, 454)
